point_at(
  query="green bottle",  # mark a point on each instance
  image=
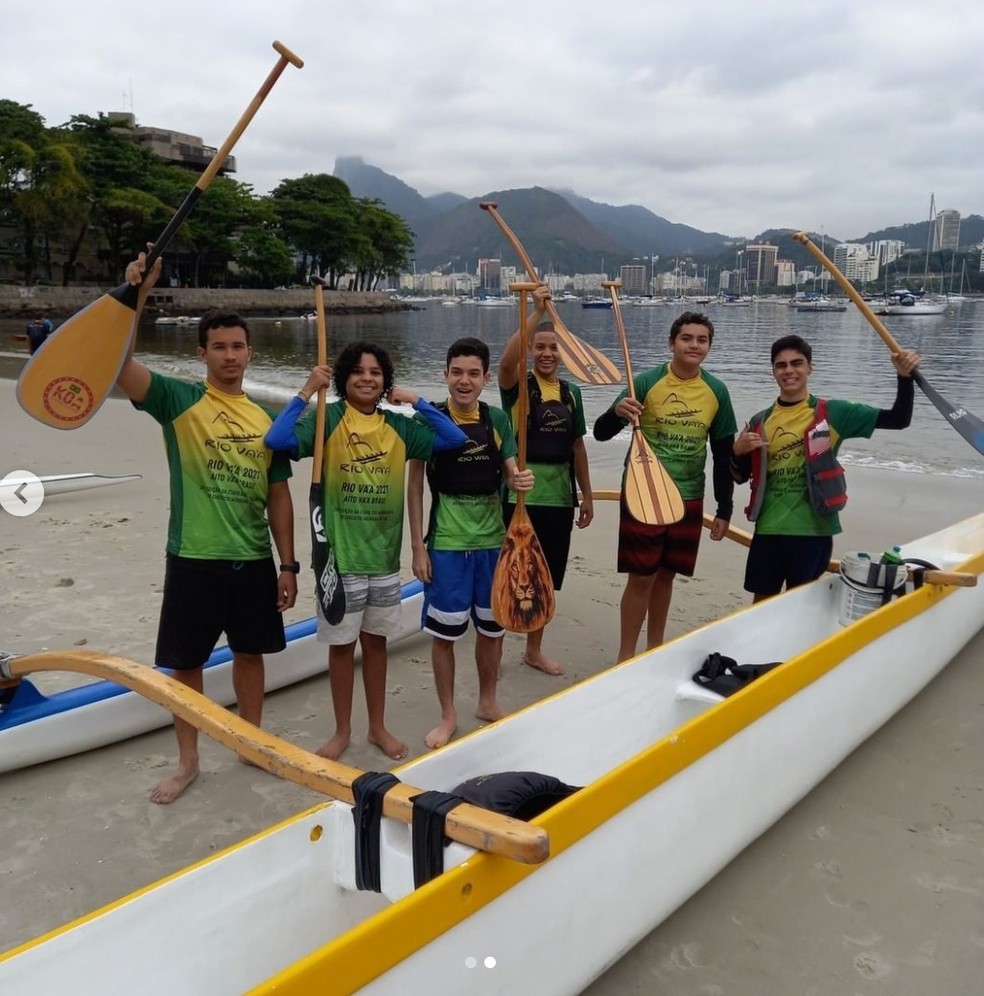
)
(893, 556)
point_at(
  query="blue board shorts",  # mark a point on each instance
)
(461, 588)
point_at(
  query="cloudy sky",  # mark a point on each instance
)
(731, 117)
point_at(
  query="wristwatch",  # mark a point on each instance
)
(292, 568)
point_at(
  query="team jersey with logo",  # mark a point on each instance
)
(679, 417)
(364, 481)
(552, 481)
(220, 470)
(786, 508)
(473, 522)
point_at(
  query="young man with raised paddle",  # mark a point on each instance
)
(680, 408)
(555, 452)
(457, 556)
(365, 449)
(229, 492)
(789, 452)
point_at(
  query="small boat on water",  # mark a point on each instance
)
(820, 304)
(596, 302)
(912, 305)
(677, 778)
(496, 302)
(35, 728)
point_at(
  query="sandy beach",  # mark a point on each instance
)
(872, 885)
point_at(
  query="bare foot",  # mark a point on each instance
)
(388, 744)
(490, 712)
(441, 733)
(168, 790)
(544, 664)
(335, 747)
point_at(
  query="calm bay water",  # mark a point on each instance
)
(850, 361)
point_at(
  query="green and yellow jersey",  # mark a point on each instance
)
(786, 508)
(365, 482)
(220, 471)
(678, 419)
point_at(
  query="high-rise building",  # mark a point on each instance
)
(855, 262)
(633, 279)
(946, 230)
(760, 265)
(490, 275)
(886, 250)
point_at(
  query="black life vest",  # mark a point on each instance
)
(550, 425)
(473, 469)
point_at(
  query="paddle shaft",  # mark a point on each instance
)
(585, 362)
(317, 460)
(967, 424)
(523, 401)
(286, 57)
(467, 824)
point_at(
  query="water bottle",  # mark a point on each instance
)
(893, 556)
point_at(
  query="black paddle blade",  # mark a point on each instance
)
(328, 590)
(968, 425)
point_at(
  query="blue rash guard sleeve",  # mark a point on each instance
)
(448, 436)
(280, 436)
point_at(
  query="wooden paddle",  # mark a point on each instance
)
(584, 361)
(467, 824)
(65, 382)
(328, 590)
(651, 495)
(968, 425)
(522, 586)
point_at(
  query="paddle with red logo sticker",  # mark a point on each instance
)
(69, 377)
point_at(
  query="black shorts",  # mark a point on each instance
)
(553, 525)
(204, 598)
(791, 560)
(644, 549)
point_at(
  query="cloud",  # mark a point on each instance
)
(732, 118)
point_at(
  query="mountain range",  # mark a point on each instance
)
(567, 233)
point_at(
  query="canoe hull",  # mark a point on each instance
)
(34, 729)
(677, 783)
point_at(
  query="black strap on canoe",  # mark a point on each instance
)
(369, 789)
(429, 812)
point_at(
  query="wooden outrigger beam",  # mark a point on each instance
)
(467, 824)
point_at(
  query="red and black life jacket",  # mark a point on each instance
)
(826, 484)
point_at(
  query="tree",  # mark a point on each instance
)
(384, 245)
(317, 217)
(264, 259)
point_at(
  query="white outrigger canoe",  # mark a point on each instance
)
(35, 728)
(677, 781)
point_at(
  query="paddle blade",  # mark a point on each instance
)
(581, 358)
(968, 425)
(70, 376)
(651, 495)
(328, 590)
(522, 588)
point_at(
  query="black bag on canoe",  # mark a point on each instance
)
(725, 675)
(522, 794)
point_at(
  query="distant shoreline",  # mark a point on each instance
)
(63, 302)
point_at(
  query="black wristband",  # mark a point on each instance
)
(292, 568)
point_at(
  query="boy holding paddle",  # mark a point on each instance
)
(555, 451)
(457, 556)
(680, 408)
(229, 492)
(365, 453)
(789, 453)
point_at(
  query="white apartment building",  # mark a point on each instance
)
(946, 230)
(855, 262)
(886, 250)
